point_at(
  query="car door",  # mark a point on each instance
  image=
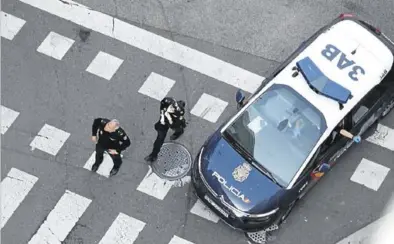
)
(323, 160)
(367, 111)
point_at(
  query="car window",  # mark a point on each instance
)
(279, 129)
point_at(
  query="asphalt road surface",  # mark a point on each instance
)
(64, 65)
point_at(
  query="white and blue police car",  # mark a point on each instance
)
(291, 131)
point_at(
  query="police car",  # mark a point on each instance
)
(292, 130)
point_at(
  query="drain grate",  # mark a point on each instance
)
(173, 162)
(261, 237)
(257, 237)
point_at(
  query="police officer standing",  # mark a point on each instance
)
(171, 116)
(109, 137)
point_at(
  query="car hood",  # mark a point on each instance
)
(240, 184)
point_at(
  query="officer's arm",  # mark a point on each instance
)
(124, 141)
(95, 126)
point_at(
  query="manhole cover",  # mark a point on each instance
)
(173, 162)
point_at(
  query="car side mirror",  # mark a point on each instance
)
(239, 98)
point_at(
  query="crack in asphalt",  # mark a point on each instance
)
(15, 178)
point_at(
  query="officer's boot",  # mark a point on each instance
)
(150, 158)
(95, 167)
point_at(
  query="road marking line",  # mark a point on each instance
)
(55, 45)
(14, 189)
(370, 174)
(156, 86)
(155, 186)
(367, 234)
(104, 65)
(124, 230)
(105, 167)
(177, 240)
(8, 117)
(209, 107)
(203, 211)
(10, 25)
(383, 136)
(62, 219)
(150, 42)
(49, 139)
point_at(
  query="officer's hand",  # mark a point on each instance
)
(162, 119)
(112, 151)
(94, 139)
(357, 139)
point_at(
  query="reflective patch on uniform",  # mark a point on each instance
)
(125, 138)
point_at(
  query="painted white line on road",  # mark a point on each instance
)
(124, 230)
(62, 219)
(177, 240)
(370, 174)
(203, 211)
(383, 136)
(155, 186)
(14, 189)
(8, 117)
(150, 42)
(209, 107)
(10, 25)
(104, 65)
(49, 139)
(366, 234)
(105, 167)
(55, 45)
(156, 86)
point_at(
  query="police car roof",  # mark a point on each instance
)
(371, 55)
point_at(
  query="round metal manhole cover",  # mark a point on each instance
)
(173, 162)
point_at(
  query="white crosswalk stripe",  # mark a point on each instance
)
(105, 167)
(150, 42)
(8, 117)
(49, 139)
(124, 230)
(383, 136)
(14, 189)
(61, 219)
(156, 86)
(177, 240)
(203, 211)
(104, 65)
(155, 186)
(370, 174)
(10, 25)
(209, 107)
(55, 45)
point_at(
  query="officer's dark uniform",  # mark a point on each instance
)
(117, 140)
(178, 124)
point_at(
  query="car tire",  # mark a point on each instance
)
(388, 108)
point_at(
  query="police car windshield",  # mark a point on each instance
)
(279, 129)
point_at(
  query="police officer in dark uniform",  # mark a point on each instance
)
(171, 116)
(109, 137)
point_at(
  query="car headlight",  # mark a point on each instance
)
(257, 216)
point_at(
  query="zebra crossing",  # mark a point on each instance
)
(125, 228)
